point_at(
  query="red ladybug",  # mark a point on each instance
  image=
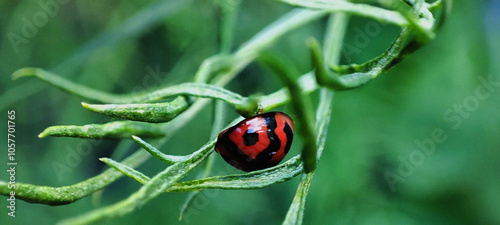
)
(258, 142)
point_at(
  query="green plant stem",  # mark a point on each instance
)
(243, 56)
(335, 34)
(151, 113)
(288, 22)
(301, 107)
(218, 125)
(127, 170)
(253, 180)
(229, 10)
(223, 69)
(364, 10)
(68, 194)
(371, 69)
(157, 185)
(424, 31)
(157, 154)
(191, 89)
(111, 130)
(357, 75)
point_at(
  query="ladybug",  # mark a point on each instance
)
(258, 142)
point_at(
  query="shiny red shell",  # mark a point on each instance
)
(258, 142)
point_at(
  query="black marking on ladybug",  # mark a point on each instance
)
(233, 149)
(274, 144)
(289, 136)
(250, 137)
(239, 159)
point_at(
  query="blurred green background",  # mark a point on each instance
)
(372, 171)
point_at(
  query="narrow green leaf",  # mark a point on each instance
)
(333, 40)
(323, 77)
(191, 89)
(424, 29)
(355, 75)
(334, 37)
(128, 171)
(158, 154)
(295, 214)
(66, 85)
(157, 185)
(141, 112)
(219, 110)
(68, 194)
(195, 90)
(245, 55)
(120, 152)
(252, 180)
(146, 112)
(301, 107)
(116, 129)
(187, 203)
(229, 9)
(364, 10)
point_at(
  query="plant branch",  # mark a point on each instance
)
(364, 10)
(157, 185)
(172, 159)
(334, 37)
(301, 107)
(115, 129)
(145, 112)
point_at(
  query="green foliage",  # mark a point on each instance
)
(151, 113)
(159, 113)
(302, 108)
(116, 129)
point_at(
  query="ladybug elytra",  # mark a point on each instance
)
(258, 142)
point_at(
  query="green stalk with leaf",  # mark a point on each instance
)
(159, 113)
